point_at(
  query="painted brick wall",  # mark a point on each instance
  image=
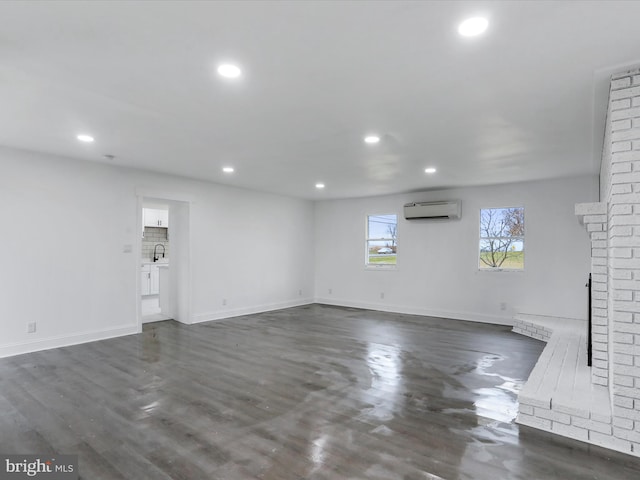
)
(620, 188)
(594, 218)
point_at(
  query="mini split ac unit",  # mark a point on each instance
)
(432, 210)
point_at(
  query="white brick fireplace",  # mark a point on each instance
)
(620, 193)
(600, 404)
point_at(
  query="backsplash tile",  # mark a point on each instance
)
(152, 237)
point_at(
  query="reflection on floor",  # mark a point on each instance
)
(314, 392)
(151, 309)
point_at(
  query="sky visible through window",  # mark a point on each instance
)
(379, 225)
(516, 245)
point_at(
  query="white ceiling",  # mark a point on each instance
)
(515, 104)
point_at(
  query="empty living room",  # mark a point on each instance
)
(324, 240)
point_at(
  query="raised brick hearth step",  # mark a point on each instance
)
(559, 396)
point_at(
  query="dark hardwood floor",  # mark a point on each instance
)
(312, 392)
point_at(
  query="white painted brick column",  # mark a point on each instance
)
(622, 190)
(594, 217)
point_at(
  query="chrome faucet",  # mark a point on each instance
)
(155, 252)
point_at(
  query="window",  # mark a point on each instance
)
(382, 235)
(501, 239)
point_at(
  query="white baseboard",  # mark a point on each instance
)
(468, 316)
(238, 312)
(64, 341)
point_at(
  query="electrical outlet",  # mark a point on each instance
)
(503, 306)
(330, 291)
(31, 327)
(300, 292)
(224, 301)
(382, 295)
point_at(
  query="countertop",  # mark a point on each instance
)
(159, 262)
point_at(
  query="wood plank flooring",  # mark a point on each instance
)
(313, 392)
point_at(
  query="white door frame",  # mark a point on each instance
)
(153, 194)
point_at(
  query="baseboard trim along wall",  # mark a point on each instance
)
(468, 316)
(66, 341)
(57, 342)
(224, 314)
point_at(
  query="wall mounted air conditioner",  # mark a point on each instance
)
(416, 210)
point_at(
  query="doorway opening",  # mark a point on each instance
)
(163, 259)
(155, 253)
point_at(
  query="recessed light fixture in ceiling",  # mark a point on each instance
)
(85, 138)
(228, 169)
(473, 26)
(430, 170)
(371, 139)
(228, 70)
(319, 186)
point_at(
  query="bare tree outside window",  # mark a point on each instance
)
(392, 230)
(502, 238)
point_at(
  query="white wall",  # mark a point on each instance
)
(63, 226)
(437, 272)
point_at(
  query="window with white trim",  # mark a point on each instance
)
(382, 240)
(501, 239)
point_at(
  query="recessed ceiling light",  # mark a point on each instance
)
(473, 26)
(85, 138)
(228, 169)
(430, 170)
(229, 70)
(371, 139)
(320, 186)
